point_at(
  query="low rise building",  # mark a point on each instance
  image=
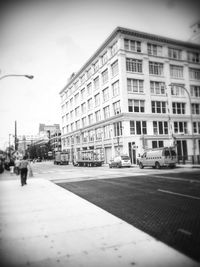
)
(137, 91)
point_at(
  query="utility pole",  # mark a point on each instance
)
(16, 143)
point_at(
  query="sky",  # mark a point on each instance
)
(53, 39)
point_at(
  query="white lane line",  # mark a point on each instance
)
(178, 194)
(183, 231)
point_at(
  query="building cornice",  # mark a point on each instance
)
(134, 33)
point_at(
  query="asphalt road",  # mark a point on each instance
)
(165, 205)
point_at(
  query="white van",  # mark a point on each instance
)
(158, 157)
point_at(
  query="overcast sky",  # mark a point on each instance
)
(52, 39)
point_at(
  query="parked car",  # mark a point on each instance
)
(120, 161)
(38, 159)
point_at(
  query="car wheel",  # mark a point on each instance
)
(141, 165)
(157, 165)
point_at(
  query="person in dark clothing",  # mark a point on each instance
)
(23, 170)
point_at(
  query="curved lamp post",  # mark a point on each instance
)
(191, 117)
(16, 75)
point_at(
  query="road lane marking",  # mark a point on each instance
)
(183, 231)
(178, 194)
(177, 179)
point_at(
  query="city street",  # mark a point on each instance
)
(163, 203)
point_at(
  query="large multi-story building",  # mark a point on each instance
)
(137, 91)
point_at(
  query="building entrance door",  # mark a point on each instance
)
(132, 152)
(182, 151)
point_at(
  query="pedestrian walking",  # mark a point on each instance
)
(17, 163)
(23, 170)
(12, 165)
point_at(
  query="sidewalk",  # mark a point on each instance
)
(44, 225)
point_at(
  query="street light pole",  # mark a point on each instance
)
(191, 117)
(16, 75)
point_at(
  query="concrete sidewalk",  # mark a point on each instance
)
(44, 225)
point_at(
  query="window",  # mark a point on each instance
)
(90, 118)
(71, 114)
(96, 83)
(89, 89)
(174, 53)
(154, 50)
(76, 99)
(67, 117)
(156, 144)
(82, 78)
(194, 74)
(67, 105)
(116, 108)
(97, 115)
(138, 127)
(180, 127)
(99, 134)
(77, 124)
(135, 86)
(105, 76)
(83, 121)
(176, 71)
(104, 58)
(91, 135)
(72, 126)
(83, 94)
(83, 108)
(194, 57)
(158, 107)
(134, 65)
(84, 137)
(78, 139)
(195, 108)
(160, 127)
(90, 103)
(196, 127)
(96, 66)
(76, 85)
(114, 49)
(135, 105)
(106, 112)
(89, 73)
(107, 131)
(132, 45)
(114, 68)
(115, 88)
(157, 88)
(97, 100)
(118, 128)
(105, 94)
(156, 68)
(177, 90)
(195, 90)
(178, 108)
(77, 111)
(71, 102)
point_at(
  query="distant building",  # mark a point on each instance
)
(48, 139)
(195, 37)
(121, 99)
(46, 128)
(24, 141)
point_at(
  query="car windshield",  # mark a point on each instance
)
(125, 158)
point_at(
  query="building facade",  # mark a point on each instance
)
(136, 92)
